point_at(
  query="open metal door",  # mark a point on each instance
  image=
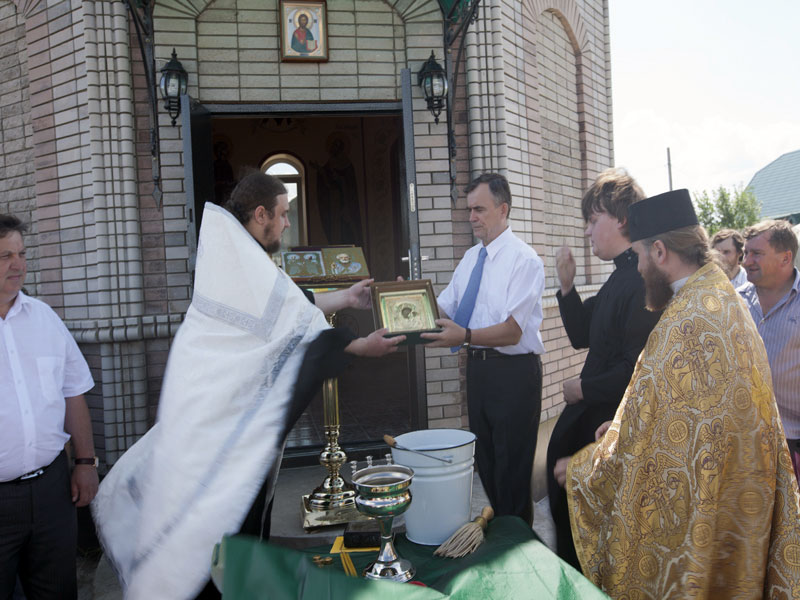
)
(410, 218)
(198, 164)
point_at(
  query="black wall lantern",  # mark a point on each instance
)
(433, 81)
(173, 83)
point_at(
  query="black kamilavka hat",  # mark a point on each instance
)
(659, 214)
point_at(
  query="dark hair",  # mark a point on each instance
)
(9, 223)
(612, 192)
(254, 190)
(781, 237)
(689, 243)
(733, 235)
(498, 185)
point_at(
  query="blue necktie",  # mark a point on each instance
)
(464, 310)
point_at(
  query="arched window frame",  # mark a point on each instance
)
(298, 220)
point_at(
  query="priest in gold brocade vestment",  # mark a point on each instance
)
(690, 492)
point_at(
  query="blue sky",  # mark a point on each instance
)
(718, 82)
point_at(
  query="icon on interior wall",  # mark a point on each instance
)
(304, 31)
(337, 193)
(325, 264)
(343, 263)
(303, 264)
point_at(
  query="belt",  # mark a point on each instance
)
(487, 353)
(32, 475)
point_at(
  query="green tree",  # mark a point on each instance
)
(735, 209)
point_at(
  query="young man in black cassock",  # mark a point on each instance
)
(614, 325)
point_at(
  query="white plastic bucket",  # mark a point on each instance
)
(441, 493)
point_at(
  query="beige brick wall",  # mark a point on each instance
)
(17, 177)
(543, 119)
(231, 51)
(238, 52)
(533, 102)
(70, 94)
(540, 111)
(561, 145)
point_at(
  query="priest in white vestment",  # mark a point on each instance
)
(249, 356)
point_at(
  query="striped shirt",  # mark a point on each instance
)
(780, 330)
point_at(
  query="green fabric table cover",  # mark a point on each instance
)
(511, 564)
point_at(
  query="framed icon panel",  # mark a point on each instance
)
(304, 31)
(405, 308)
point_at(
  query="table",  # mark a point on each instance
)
(511, 564)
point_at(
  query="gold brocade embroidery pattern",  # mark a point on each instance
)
(692, 486)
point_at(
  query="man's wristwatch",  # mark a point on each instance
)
(87, 461)
(467, 337)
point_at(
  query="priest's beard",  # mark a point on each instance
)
(273, 247)
(657, 290)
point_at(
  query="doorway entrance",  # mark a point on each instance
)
(346, 174)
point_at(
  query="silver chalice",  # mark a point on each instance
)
(382, 493)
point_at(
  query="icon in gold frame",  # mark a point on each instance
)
(405, 308)
(304, 31)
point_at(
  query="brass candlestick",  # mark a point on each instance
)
(333, 501)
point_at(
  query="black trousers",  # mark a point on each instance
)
(504, 398)
(38, 535)
(574, 429)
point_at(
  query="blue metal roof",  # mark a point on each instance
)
(777, 186)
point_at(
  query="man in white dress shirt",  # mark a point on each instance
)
(43, 377)
(499, 328)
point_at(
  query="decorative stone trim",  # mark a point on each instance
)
(131, 329)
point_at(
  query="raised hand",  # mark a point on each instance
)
(565, 268)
